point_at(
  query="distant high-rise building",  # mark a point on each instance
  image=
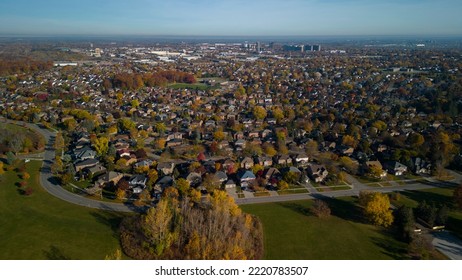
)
(258, 47)
(317, 48)
(308, 48)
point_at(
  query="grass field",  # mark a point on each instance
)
(196, 86)
(41, 226)
(291, 232)
(293, 191)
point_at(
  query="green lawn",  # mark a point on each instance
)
(292, 191)
(41, 226)
(196, 86)
(291, 232)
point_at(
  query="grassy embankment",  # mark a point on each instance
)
(41, 226)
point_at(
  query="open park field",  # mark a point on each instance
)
(292, 232)
(40, 226)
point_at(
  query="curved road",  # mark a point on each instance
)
(50, 185)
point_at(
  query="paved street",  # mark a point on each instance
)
(448, 244)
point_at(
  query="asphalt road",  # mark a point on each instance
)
(448, 244)
(353, 192)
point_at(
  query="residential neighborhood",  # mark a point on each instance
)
(140, 124)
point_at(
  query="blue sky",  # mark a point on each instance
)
(230, 17)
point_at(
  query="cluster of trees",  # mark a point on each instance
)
(431, 214)
(420, 247)
(137, 81)
(10, 67)
(19, 140)
(182, 229)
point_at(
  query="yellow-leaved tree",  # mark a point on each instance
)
(376, 207)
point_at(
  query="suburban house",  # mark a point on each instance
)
(317, 172)
(109, 177)
(84, 153)
(166, 167)
(94, 170)
(301, 159)
(143, 163)
(164, 182)
(80, 165)
(284, 160)
(246, 177)
(265, 161)
(272, 173)
(420, 166)
(194, 179)
(230, 184)
(138, 183)
(247, 163)
(221, 176)
(396, 168)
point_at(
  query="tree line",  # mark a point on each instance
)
(10, 67)
(133, 81)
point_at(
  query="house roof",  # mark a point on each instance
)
(246, 175)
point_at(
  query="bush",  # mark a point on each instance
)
(28, 191)
(320, 209)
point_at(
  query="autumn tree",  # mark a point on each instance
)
(278, 114)
(120, 194)
(219, 135)
(349, 141)
(152, 177)
(380, 125)
(269, 149)
(57, 166)
(160, 128)
(259, 112)
(282, 185)
(101, 145)
(1, 168)
(415, 140)
(211, 182)
(320, 209)
(183, 186)
(350, 165)
(59, 141)
(160, 143)
(443, 148)
(376, 208)
(126, 124)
